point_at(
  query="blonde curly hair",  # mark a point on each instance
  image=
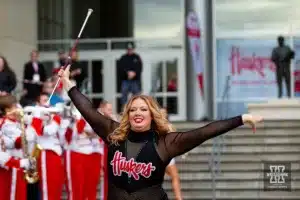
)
(160, 124)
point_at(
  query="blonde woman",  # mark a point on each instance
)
(140, 146)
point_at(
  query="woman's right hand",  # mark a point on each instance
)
(64, 74)
(252, 120)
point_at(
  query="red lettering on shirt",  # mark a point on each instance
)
(132, 168)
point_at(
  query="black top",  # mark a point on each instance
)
(8, 81)
(136, 166)
(33, 90)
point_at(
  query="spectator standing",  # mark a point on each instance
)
(8, 80)
(132, 67)
(34, 77)
(282, 56)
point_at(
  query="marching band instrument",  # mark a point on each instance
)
(53, 110)
(31, 176)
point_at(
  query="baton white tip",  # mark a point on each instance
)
(90, 11)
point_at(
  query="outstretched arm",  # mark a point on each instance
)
(178, 143)
(102, 125)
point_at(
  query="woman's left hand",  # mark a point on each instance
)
(252, 120)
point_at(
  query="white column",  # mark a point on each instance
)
(196, 110)
(18, 35)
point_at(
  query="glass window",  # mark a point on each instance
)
(51, 22)
(48, 65)
(97, 76)
(158, 19)
(256, 17)
(164, 84)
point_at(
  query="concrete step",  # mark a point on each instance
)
(263, 132)
(246, 157)
(255, 148)
(275, 132)
(171, 197)
(257, 140)
(209, 197)
(228, 176)
(238, 195)
(184, 166)
(285, 144)
(266, 125)
(228, 185)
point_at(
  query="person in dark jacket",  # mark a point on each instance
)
(132, 67)
(282, 56)
(8, 80)
(34, 77)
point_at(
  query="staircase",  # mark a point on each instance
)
(241, 175)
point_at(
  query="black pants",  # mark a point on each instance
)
(33, 191)
(283, 72)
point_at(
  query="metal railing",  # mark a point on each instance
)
(218, 145)
(86, 88)
(110, 44)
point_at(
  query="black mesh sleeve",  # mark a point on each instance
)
(100, 124)
(178, 143)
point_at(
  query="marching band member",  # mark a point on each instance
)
(50, 166)
(94, 164)
(33, 192)
(83, 159)
(66, 139)
(12, 139)
(7, 162)
(10, 128)
(4, 173)
(50, 163)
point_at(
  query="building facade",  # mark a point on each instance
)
(235, 37)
